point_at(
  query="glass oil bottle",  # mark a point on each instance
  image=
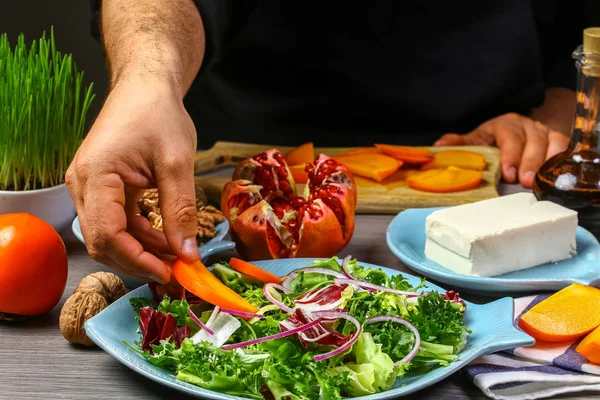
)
(572, 178)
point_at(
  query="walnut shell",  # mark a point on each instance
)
(78, 308)
(106, 284)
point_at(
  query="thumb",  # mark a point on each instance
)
(177, 196)
(451, 139)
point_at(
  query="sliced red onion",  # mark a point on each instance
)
(272, 337)
(200, 323)
(349, 343)
(417, 345)
(345, 267)
(280, 287)
(269, 296)
(372, 286)
(242, 314)
(288, 280)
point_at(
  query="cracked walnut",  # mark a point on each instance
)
(207, 216)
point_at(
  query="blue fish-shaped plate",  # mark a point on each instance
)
(491, 325)
(406, 239)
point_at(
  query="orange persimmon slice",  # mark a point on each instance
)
(373, 166)
(407, 154)
(363, 150)
(305, 153)
(197, 279)
(568, 314)
(446, 180)
(459, 158)
(590, 346)
(254, 271)
(299, 173)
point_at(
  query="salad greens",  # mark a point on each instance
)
(329, 331)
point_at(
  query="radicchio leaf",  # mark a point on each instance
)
(320, 333)
(322, 296)
(156, 326)
(454, 297)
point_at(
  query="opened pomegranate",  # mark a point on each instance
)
(269, 220)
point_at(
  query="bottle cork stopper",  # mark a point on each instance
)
(591, 40)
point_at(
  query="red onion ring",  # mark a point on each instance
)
(272, 337)
(288, 280)
(372, 286)
(272, 299)
(242, 314)
(200, 324)
(349, 343)
(417, 345)
(345, 267)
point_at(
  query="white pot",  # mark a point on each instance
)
(54, 205)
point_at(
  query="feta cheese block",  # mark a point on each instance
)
(500, 235)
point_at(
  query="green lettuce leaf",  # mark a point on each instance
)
(235, 280)
(305, 282)
(439, 321)
(367, 351)
(378, 277)
(361, 378)
(292, 371)
(222, 371)
(140, 302)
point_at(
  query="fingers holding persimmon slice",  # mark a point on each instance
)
(451, 179)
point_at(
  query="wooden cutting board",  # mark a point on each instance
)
(373, 198)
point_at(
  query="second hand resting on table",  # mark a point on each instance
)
(144, 138)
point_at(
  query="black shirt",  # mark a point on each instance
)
(396, 71)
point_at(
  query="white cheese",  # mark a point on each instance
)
(500, 235)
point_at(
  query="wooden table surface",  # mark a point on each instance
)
(37, 362)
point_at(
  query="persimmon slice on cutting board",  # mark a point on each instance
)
(446, 180)
(363, 150)
(568, 314)
(407, 154)
(374, 166)
(301, 155)
(464, 159)
(590, 346)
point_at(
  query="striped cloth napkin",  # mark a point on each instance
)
(537, 372)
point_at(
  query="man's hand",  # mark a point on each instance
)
(142, 138)
(524, 144)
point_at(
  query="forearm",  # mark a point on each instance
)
(558, 110)
(153, 41)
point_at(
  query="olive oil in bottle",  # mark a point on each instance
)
(572, 178)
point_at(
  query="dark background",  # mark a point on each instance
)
(71, 20)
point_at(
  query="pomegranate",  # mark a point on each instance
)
(270, 220)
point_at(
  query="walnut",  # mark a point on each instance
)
(208, 216)
(93, 294)
(106, 284)
(79, 308)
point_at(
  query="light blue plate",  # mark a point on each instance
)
(406, 239)
(213, 246)
(492, 326)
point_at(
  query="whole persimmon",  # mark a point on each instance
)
(33, 265)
